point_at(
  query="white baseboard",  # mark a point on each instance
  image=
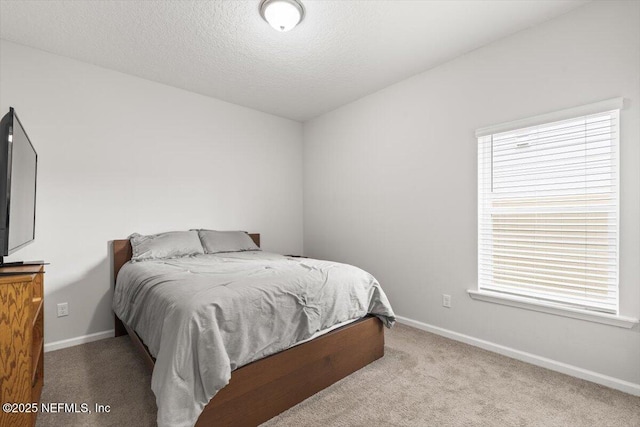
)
(554, 365)
(57, 345)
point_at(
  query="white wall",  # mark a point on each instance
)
(118, 154)
(390, 180)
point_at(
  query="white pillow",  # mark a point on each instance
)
(215, 242)
(173, 244)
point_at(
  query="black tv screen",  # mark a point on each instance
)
(18, 161)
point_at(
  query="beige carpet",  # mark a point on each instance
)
(423, 380)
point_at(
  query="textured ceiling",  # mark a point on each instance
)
(340, 52)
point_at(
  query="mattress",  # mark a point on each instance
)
(202, 317)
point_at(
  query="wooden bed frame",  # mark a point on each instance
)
(265, 388)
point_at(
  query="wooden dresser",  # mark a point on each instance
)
(21, 341)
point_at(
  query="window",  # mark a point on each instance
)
(548, 209)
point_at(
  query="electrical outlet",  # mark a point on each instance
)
(446, 300)
(63, 309)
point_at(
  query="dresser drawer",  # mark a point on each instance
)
(22, 302)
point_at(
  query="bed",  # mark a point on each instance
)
(263, 388)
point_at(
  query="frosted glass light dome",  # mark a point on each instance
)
(282, 15)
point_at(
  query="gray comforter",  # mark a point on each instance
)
(204, 316)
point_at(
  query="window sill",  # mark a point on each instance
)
(551, 308)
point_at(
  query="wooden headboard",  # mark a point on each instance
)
(122, 253)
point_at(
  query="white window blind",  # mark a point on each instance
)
(548, 212)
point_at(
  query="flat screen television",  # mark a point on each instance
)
(18, 172)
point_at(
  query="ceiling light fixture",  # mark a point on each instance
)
(282, 15)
